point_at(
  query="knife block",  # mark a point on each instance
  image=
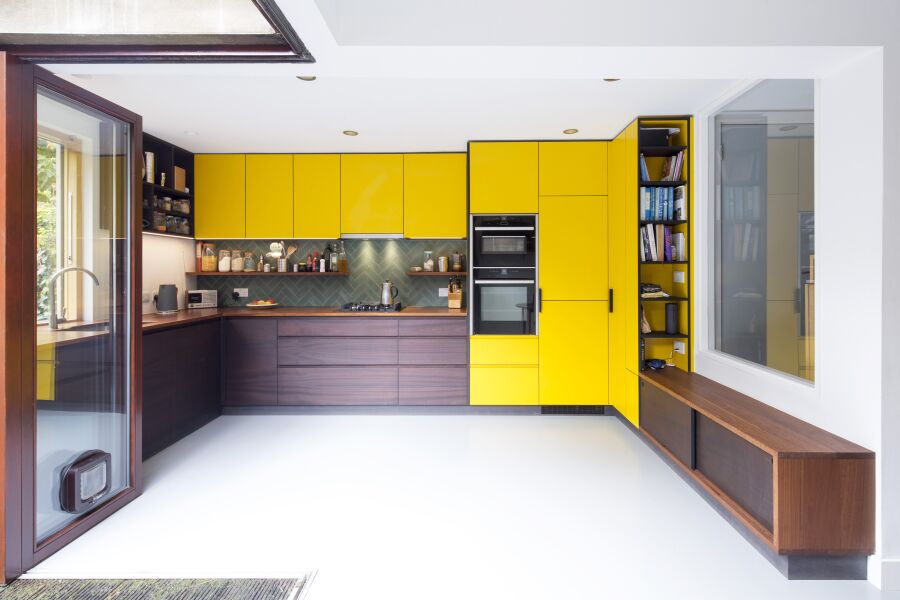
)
(454, 299)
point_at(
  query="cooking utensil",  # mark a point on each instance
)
(388, 292)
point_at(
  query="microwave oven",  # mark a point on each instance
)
(202, 299)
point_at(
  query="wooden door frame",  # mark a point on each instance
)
(19, 80)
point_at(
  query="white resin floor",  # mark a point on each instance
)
(432, 507)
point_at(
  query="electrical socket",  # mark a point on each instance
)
(679, 347)
(242, 292)
(146, 297)
(678, 276)
(442, 292)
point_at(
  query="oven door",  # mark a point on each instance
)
(499, 246)
(503, 307)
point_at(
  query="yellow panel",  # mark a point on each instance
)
(627, 299)
(503, 385)
(270, 196)
(574, 353)
(372, 193)
(219, 197)
(573, 168)
(317, 196)
(434, 195)
(573, 248)
(782, 173)
(618, 249)
(503, 177)
(632, 399)
(806, 175)
(782, 335)
(503, 350)
(45, 372)
(781, 247)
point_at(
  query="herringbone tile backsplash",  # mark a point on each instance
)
(370, 263)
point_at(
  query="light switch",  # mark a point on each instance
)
(679, 347)
(678, 276)
(442, 292)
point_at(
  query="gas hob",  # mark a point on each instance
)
(370, 307)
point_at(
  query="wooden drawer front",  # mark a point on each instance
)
(503, 350)
(251, 348)
(434, 351)
(669, 421)
(311, 351)
(513, 386)
(323, 386)
(337, 326)
(434, 327)
(436, 386)
(737, 467)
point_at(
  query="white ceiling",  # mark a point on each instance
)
(406, 97)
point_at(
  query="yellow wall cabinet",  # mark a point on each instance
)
(270, 196)
(503, 385)
(219, 199)
(372, 193)
(573, 248)
(434, 195)
(573, 168)
(574, 353)
(317, 196)
(503, 177)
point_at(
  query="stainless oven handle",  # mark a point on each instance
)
(504, 228)
(502, 281)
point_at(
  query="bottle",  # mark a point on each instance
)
(315, 264)
(259, 265)
(342, 258)
(308, 261)
(326, 257)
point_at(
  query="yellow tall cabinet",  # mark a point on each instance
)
(434, 195)
(372, 193)
(317, 196)
(503, 177)
(623, 273)
(573, 273)
(270, 196)
(220, 181)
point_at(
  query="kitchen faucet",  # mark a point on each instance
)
(51, 291)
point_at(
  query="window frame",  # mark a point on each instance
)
(761, 382)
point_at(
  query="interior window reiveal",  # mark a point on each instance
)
(765, 227)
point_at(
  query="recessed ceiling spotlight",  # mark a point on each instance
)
(570, 131)
(190, 133)
(610, 79)
(788, 128)
(350, 132)
(306, 77)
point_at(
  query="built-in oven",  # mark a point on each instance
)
(503, 302)
(503, 241)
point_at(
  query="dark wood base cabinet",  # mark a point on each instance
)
(180, 383)
(800, 490)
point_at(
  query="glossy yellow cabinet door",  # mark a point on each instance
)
(574, 353)
(573, 168)
(632, 410)
(317, 196)
(434, 195)
(620, 293)
(372, 193)
(503, 385)
(573, 248)
(503, 177)
(219, 197)
(270, 196)
(503, 350)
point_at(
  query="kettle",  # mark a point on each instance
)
(166, 299)
(388, 293)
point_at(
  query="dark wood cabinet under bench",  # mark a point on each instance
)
(799, 489)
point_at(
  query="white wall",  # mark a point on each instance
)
(166, 260)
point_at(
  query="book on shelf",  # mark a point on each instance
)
(645, 174)
(667, 240)
(679, 203)
(678, 246)
(659, 243)
(661, 203)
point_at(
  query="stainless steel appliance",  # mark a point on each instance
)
(388, 293)
(202, 298)
(370, 307)
(504, 241)
(505, 297)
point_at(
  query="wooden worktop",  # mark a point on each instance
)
(155, 322)
(764, 426)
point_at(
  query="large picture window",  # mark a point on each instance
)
(765, 227)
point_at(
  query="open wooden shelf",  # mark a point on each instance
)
(664, 262)
(436, 274)
(670, 223)
(662, 335)
(666, 299)
(183, 236)
(170, 191)
(663, 183)
(264, 274)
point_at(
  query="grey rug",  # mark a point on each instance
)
(154, 589)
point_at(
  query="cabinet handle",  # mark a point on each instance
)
(540, 300)
(610, 300)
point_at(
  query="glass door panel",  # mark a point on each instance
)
(83, 309)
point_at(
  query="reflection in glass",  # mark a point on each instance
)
(765, 228)
(82, 306)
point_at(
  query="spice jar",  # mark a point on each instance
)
(249, 263)
(208, 258)
(428, 264)
(237, 261)
(224, 261)
(442, 264)
(456, 262)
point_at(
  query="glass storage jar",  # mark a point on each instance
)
(208, 258)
